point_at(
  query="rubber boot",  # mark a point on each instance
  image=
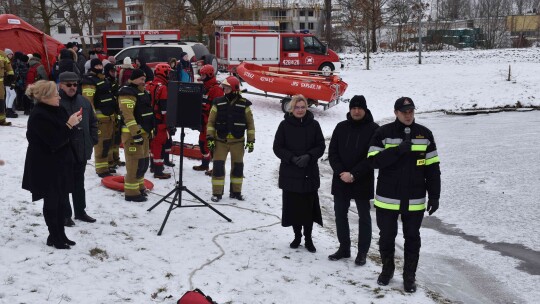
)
(297, 236)
(388, 268)
(409, 272)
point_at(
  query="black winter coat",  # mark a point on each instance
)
(84, 135)
(408, 176)
(348, 153)
(49, 157)
(295, 137)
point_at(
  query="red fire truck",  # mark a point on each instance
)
(116, 40)
(238, 41)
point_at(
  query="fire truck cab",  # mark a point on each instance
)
(238, 41)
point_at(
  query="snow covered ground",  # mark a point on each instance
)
(482, 245)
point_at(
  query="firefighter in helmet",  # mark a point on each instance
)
(138, 118)
(97, 89)
(158, 92)
(212, 90)
(230, 117)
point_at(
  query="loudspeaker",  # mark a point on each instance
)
(184, 104)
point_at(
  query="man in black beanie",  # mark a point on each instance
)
(353, 177)
(136, 131)
(97, 89)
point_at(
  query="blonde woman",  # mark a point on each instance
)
(299, 143)
(48, 169)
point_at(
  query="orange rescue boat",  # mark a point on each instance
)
(318, 89)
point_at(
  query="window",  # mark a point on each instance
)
(310, 13)
(313, 46)
(311, 25)
(291, 44)
(302, 26)
(62, 29)
(60, 14)
(302, 13)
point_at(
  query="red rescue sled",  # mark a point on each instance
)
(318, 89)
(191, 151)
(116, 182)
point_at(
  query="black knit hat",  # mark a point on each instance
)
(95, 62)
(107, 68)
(137, 73)
(358, 101)
(403, 104)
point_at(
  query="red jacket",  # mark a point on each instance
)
(158, 92)
(212, 91)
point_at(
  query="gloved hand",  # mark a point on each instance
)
(172, 131)
(211, 144)
(249, 146)
(404, 147)
(138, 139)
(302, 160)
(8, 80)
(432, 205)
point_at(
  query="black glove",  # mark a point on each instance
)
(404, 147)
(138, 139)
(8, 80)
(172, 131)
(432, 205)
(302, 160)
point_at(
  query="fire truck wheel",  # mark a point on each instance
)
(326, 68)
(285, 104)
(211, 60)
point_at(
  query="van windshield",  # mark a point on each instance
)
(314, 46)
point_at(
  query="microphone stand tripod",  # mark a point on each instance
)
(178, 189)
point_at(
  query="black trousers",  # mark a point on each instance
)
(53, 211)
(79, 193)
(387, 221)
(341, 209)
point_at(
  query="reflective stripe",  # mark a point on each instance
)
(251, 132)
(236, 180)
(418, 148)
(131, 123)
(432, 160)
(126, 101)
(221, 103)
(420, 141)
(374, 150)
(99, 115)
(431, 154)
(239, 124)
(218, 182)
(147, 114)
(210, 129)
(105, 100)
(240, 105)
(390, 146)
(371, 154)
(131, 186)
(393, 204)
(395, 141)
(102, 165)
(101, 82)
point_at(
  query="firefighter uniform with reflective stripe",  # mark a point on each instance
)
(6, 76)
(229, 119)
(97, 89)
(138, 118)
(212, 91)
(402, 184)
(157, 89)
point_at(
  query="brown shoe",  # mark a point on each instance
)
(200, 168)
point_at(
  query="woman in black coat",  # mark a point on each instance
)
(299, 143)
(48, 168)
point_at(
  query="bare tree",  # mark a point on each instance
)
(206, 11)
(171, 14)
(83, 14)
(328, 22)
(491, 16)
(400, 13)
(453, 9)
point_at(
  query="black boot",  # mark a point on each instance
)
(361, 259)
(166, 160)
(308, 241)
(11, 114)
(237, 195)
(387, 269)
(158, 172)
(297, 236)
(409, 272)
(341, 253)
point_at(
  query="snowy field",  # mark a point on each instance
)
(481, 246)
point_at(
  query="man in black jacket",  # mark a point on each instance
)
(406, 156)
(83, 138)
(353, 177)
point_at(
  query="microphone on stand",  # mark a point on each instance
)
(407, 131)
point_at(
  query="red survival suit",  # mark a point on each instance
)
(212, 90)
(158, 91)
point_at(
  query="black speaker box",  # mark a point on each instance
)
(184, 104)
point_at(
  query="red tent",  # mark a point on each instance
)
(18, 35)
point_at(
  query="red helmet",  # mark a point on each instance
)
(207, 70)
(162, 69)
(232, 82)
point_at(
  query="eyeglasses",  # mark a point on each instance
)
(69, 85)
(300, 108)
